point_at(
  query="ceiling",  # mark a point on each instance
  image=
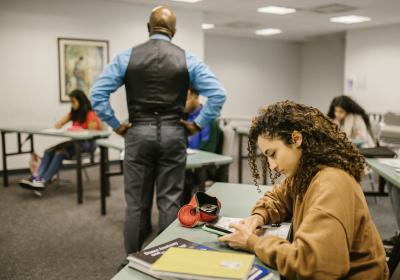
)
(240, 17)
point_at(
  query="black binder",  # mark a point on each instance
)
(378, 152)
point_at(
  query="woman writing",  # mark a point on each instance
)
(333, 235)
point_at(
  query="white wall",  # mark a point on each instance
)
(372, 67)
(322, 71)
(254, 72)
(29, 85)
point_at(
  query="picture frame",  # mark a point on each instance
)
(80, 62)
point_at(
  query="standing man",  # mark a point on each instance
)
(156, 75)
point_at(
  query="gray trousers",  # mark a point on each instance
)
(153, 156)
(394, 193)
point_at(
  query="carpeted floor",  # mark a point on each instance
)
(54, 238)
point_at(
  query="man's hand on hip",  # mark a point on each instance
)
(191, 127)
(123, 128)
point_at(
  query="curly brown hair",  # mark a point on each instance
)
(322, 145)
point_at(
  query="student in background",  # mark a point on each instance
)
(333, 235)
(209, 139)
(194, 178)
(82, 117)
(193, 108)
(352, 119)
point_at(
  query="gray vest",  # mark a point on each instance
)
(156, 80)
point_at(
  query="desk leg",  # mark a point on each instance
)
(79, 188)
(382, 183)
(202, 175)
(4, 156)
(32, 144)
(107, 171)
(240, 171)
(223, 175)
(103, 179)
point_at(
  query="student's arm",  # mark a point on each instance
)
(93, 122)
(94, 125)
(107, 83)
(275, 206)
(360, 130)
(347, 125)
(63, 121)
(320, 249)
(206, 84)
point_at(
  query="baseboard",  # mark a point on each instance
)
(19, 171)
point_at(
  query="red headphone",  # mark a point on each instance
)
(202, 208)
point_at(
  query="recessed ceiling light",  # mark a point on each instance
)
(349, 19)
(207, 26)
(268, 31)
(187, 1)
(276, 10)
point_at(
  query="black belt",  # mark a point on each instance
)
(158, 123)
(156, 119)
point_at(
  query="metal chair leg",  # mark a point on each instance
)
(86, 174)
(371, 179)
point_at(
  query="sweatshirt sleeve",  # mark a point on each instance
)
(320, 249)
(275, 206)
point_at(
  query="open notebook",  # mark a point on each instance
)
(281, 230)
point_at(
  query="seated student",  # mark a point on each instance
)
(193, 108)
(82, 116)
(333, 235)
(352, 119)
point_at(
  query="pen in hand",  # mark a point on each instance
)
(269, 226)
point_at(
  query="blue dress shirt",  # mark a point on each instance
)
(200, 76)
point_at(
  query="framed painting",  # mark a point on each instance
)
(80, 62)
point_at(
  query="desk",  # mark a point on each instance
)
(198, 160)
(229, 195)
(36, 130)
(385, 171)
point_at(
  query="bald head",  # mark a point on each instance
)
(162, 20)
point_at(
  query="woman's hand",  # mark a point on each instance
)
(253, 222)
(62, 121)
(237, 239)
(57, 125)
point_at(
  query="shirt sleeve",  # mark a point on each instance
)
(360, 130)
(319, 250)
(275, 206)
(205, 82)
(107, 83)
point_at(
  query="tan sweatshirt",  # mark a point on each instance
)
(334, 235)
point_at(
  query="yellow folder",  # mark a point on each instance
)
(201, 264)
